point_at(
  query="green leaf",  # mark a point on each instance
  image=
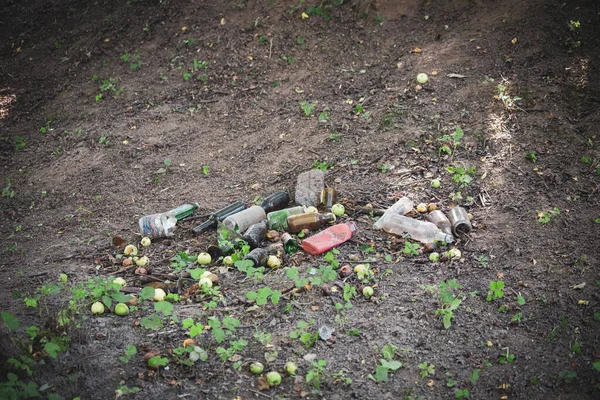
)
(196, 330)
(157, 361)
(187, 323)
(520, 300)
(52, 349)
(163, 307)
(196, 273)
(448, 320)
(131, 350)
(275, 296)
(388, 351)
(391, 365)
(230, 323)
(146, 293)
(475, 376)
(10, 320)
(597, 365)
(381, 374)
(152, 322)
(251, 295)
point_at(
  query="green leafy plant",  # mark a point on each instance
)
(316, 373)
(461, 175)
(544, 217)
(482, 261)
(302, 332)
(531, 156)
(449, 143)
(46, 128)
(426, 369)
(324, 115)
(449, 302)
(507, 357)
(133, 60)
(386, 364)
(586, 160)
(322, 165)
(262, 295)
(565, 377)
(20, 144)
(496, 290)
(509, 102)
(307, 108)
(130, 351)
(108, 86)
(411, 249)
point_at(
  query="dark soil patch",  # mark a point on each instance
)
(97, 100)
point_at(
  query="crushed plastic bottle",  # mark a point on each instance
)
(424, 232)
(309, 186)
(402, 206)
(329, 238)
(157, 225)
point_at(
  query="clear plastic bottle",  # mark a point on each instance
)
(441, 221)
(424, 232)
(402, 206)
(309, 186)
(329, 238)
(242, 220)
(278, 219)
(296, 223)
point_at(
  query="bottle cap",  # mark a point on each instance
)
(352, 226)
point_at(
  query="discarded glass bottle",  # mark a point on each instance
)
(184, 210)
(424, 232)
(258, 256)
(242, 220)
(256, 234)
(278, 219)
(441, 221)
(162, 224)
(328, 197)
(460, 221)
(275, 201)
(402, 206)
(309, 186)
(329, 238)
(289, 243)
(219, 216)
(308, 221)
(157, 225)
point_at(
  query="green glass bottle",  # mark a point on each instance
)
(289, 243)
(184, 210)
(278, 219)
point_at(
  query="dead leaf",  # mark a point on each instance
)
(579, 286)
(504, 386)
(514, 41)
(416, 50)
(430, 383)
(583, 302)
(314, 308)
(222, 21)
(184, 28)
(119, 242)
(263, 384)
(304, 15)
(456, 76)
(500, 275)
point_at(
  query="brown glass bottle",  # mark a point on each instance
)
(296, 223)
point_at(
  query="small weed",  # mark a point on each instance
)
(411, 249)
(586, 160)
(290, 60)
(104, 139)
(506, 358)
(20, 144)
(324, 115)
(387, 364)
(316, 373)
(531, 156)
(451, 142)
(483, 261)
(107, 86)
(46, 128)
(307, 107)
(133, 60)
(565, 377)
(322, 165)
(130, 351)
(461, 175)
(516, 319)
(449, 302)
(496, 290)
(8, 191)
(543, 217)
(426, 369)
(574, 25)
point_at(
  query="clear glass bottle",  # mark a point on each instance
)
(297, 223)
(424, 232)
(459, 219)
(278, 219)
(441, 221)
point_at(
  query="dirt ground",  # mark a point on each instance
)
(112, 110)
